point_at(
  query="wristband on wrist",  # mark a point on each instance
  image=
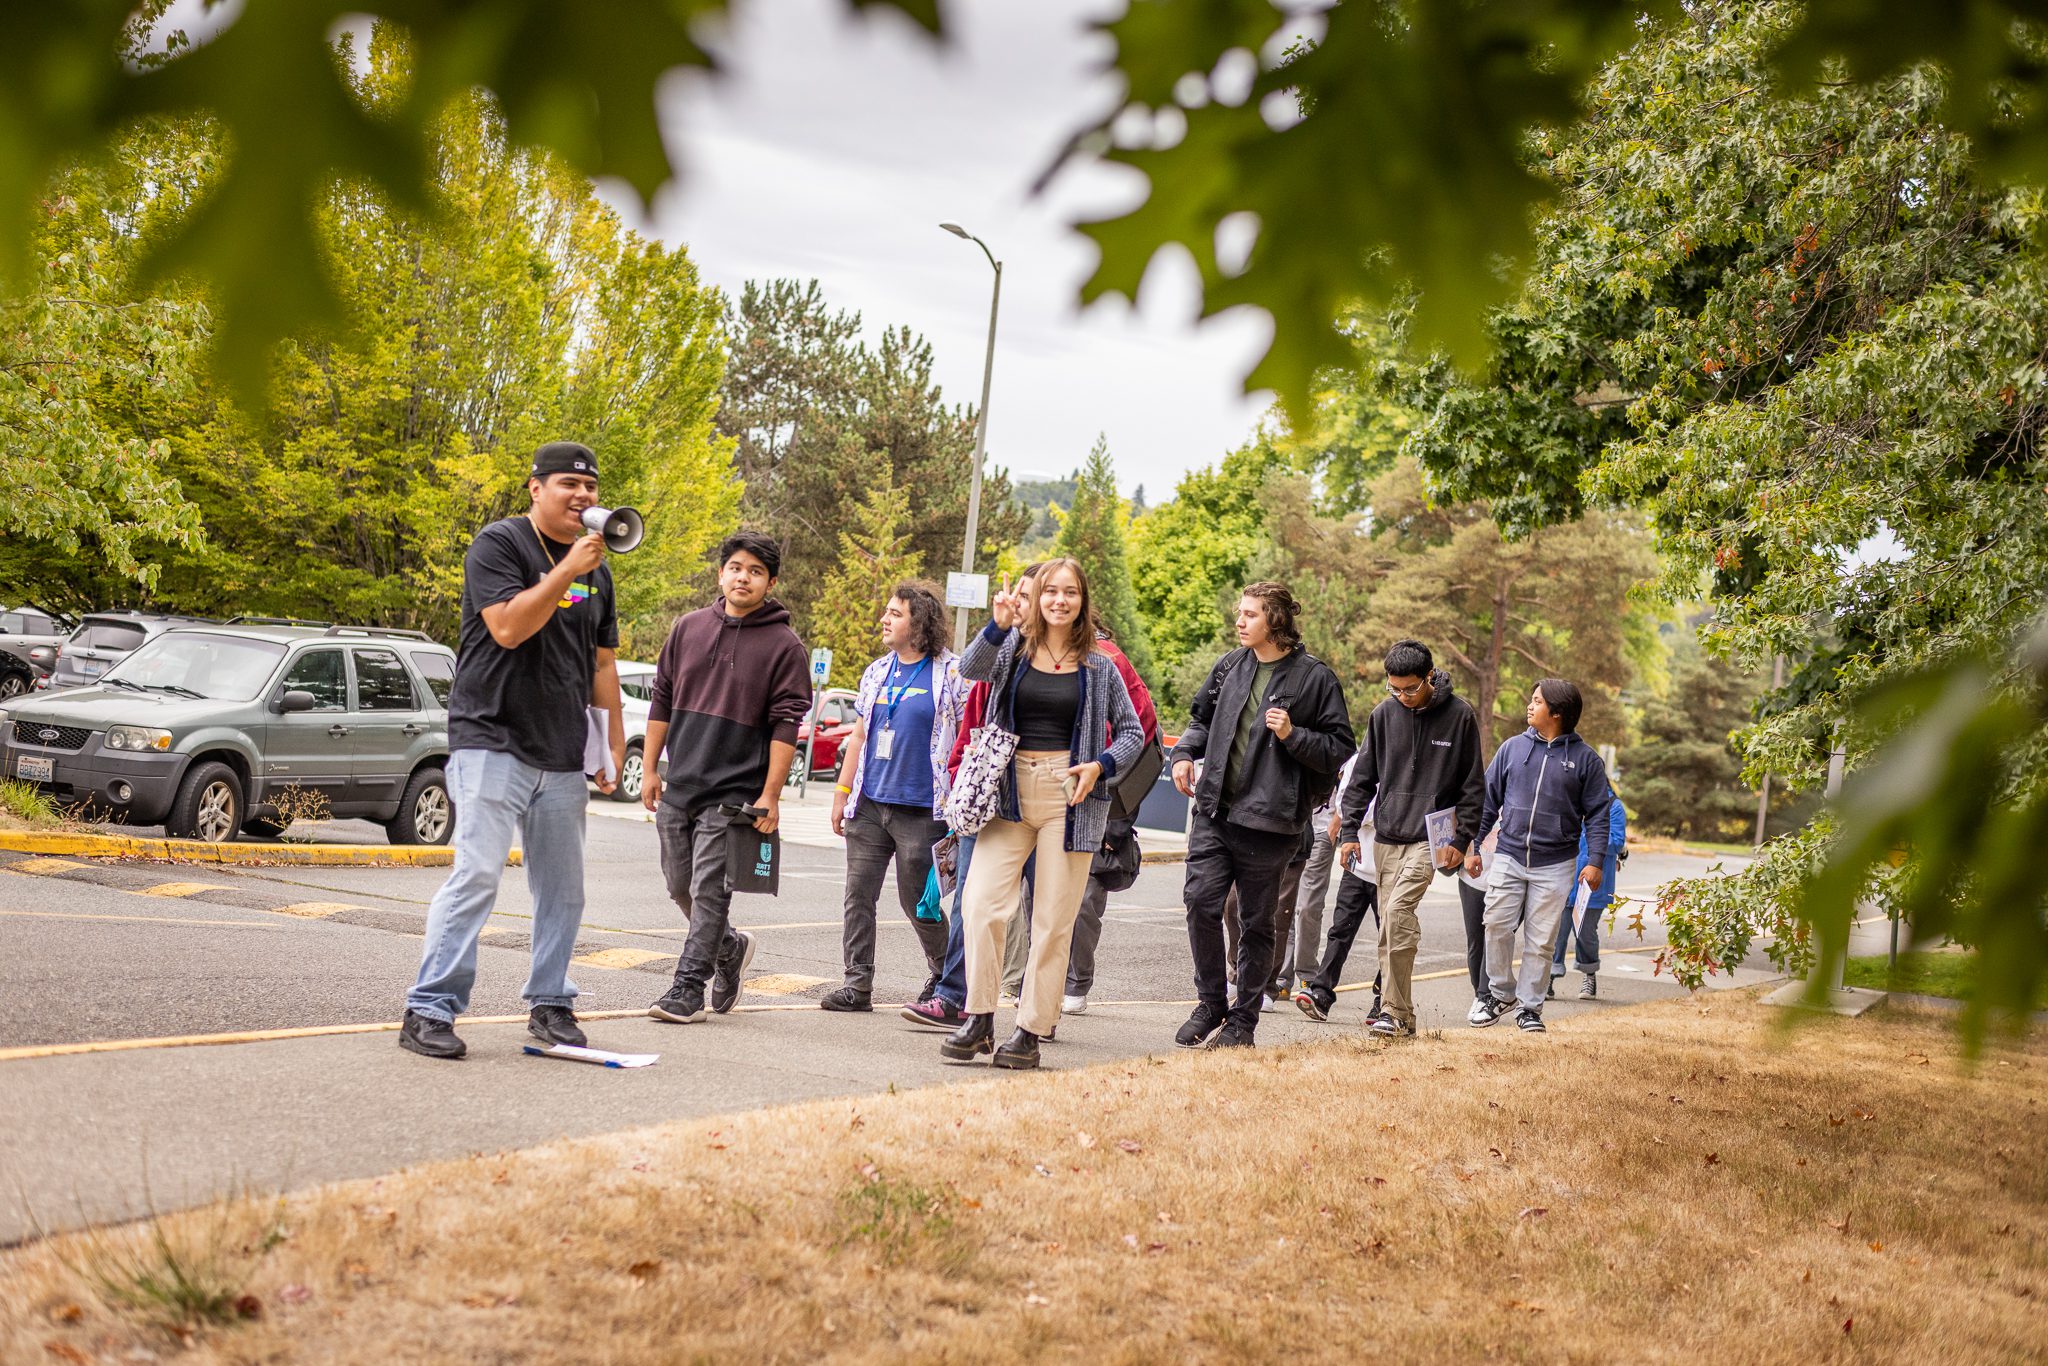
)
(842, 787)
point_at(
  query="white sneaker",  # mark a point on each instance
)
(1073, 1005)
(1479, 1014)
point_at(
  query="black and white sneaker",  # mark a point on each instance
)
(1529, 1021)
(682, 1005)
(1204, 1022)
(1589, 989)
(1386, 1026)
(725, 978)
(555, 1024)
(1311, 1003)
(1486, 1010)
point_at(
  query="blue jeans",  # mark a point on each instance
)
(953, 975)
(494, 795)
(1588, 927)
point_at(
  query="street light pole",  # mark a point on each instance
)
(988, 366)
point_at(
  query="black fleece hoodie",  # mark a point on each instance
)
(1416, 762)
(727, 686)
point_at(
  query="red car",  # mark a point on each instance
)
(836, 718)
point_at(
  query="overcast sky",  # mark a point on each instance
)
(833, 147)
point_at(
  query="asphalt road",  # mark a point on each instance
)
(109, 964)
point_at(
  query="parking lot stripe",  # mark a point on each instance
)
(44, 867)
(183, 888)
(138, 919)
(314, 910)
(781, 983)
(618, 958)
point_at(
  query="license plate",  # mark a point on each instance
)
(92, 668)
(30, 769)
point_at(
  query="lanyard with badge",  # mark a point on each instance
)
(885, 738)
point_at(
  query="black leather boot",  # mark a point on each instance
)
(975, 1037)
(1021, 1050)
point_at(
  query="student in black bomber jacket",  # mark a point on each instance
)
(1420, 754)
(730, 687)
(1271, 723)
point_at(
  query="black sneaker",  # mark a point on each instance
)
(682, 1005)
(1529, 1021)
(725, 978)
(555, 1024)
(429, 1037)
(1200, 1026)
(846, 999)
(1313, 1003)
(1019, 1051)
(1232, 1035)
(1485, 1012)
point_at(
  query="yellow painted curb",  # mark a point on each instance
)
(198, 851)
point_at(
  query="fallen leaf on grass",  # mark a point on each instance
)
(1165, 1218)
(1848, 1323)
(870, 1172)
(69, 1313)
(295, 1294)
(64, 1351)
(1375, 1180)
(1041, 1169)
(1526, 1306)
(1154, 1248)
(249, 1307)
(1837, 1121)
(1131, 1241)
(1035, 1301)
(641, 1271)
(1876, 1246)
(1713, 1160)
(1842, 1227)
(1130, 1145)
(1084, 1138)
(1534, 1212)
(1863, 1114)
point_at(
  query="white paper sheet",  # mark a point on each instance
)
(595, 1055)
(597, 743)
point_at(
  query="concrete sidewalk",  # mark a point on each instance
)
(807, 821)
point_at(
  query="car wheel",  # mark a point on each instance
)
(208, 806)
(13, 685)
(632, 775)
(426, 813)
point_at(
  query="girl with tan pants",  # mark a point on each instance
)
(1075, 728)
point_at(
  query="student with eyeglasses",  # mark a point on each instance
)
(1420, 754)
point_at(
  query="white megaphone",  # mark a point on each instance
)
(620, 527)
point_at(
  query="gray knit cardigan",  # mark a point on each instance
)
(1105, 710)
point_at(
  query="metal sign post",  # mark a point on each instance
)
(821, 671)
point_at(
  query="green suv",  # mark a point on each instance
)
(210, 730)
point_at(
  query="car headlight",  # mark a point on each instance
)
(138, 738)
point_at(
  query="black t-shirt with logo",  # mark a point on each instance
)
(527, 701)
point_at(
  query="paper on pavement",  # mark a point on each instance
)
(596, 1055)
(597, 743)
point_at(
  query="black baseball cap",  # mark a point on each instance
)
(564, 457)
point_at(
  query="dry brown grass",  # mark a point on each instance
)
(1665, 1183)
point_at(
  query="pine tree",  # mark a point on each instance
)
(874, 556)
(1092, 531)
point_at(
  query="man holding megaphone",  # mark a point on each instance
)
(539, 645)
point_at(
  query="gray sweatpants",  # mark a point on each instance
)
(1524, 903)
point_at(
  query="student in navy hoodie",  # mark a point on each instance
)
(1544, 788)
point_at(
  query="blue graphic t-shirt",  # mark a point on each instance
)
(904, 709)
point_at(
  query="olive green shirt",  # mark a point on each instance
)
(1248, 722)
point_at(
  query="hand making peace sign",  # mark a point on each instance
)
(1007, 608)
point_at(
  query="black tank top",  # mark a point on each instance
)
(1046, 705)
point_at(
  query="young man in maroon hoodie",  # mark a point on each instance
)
(730, 687)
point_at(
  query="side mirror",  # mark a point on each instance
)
(298, 699)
